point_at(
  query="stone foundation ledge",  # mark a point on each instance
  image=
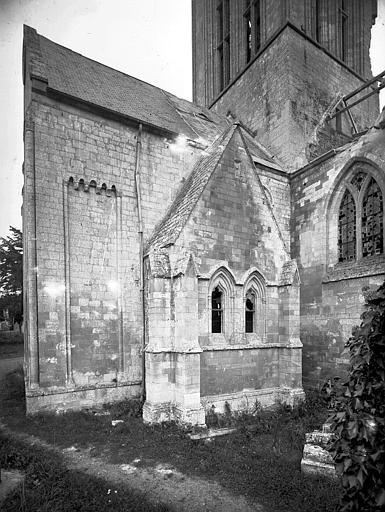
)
(244, 401)
(171, 411)
(36, 390)
(77, 399)
(295, 343)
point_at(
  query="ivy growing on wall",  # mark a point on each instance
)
(358, 419)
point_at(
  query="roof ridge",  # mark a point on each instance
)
(265, 195)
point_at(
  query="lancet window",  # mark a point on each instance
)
(255, 305)
(217, 310)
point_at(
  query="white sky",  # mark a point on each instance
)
(148, 39)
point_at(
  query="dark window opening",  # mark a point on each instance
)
(317, 21)
(257, 22)
(216, 311)
(372, 227)
(221, 70)
(249, 43)
(223, 46)
(343, 31)
(250, 312)
(253, 32)
(347, 228)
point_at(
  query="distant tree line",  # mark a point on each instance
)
(11, 277)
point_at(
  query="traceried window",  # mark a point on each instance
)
(252, 19)
(217, 310)
(347, 228)
(372, 221)
(361, 219)
(223, 45)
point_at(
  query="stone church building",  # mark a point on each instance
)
(205, 254)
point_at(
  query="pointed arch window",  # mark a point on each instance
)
(255, 305)
(217, 310)
(220, 302)
(347, 228)
(372, 220)
(361, 218)
(250, 311)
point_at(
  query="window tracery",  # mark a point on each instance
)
(361, 218)
(358, 179)
(372, 220)
(347, 228)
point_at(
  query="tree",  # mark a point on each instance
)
(11, 274)
(358, 421)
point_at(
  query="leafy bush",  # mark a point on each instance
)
(358, 421)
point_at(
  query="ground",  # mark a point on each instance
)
(81, 461)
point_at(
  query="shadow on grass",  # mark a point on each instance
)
(263, 465)
(253, 465)
(50, 486)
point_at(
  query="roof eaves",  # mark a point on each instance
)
(70, 98)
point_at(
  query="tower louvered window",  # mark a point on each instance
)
(223, 47)
(347, 228)
(253, 26)
(372, 220)
(343, 30)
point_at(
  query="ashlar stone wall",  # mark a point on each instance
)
(83, 301)
(332, 292)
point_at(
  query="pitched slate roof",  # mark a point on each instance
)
(81, 78)
(170, 227)
(76, 76)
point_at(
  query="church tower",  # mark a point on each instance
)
(281, 66)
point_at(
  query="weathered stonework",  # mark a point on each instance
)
(316, 460)
(186, 254)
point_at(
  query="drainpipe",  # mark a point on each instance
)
(140, 232)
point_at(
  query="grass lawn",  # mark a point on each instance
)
(14, 348)
(260, 467)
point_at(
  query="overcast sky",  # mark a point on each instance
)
(148, 39)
